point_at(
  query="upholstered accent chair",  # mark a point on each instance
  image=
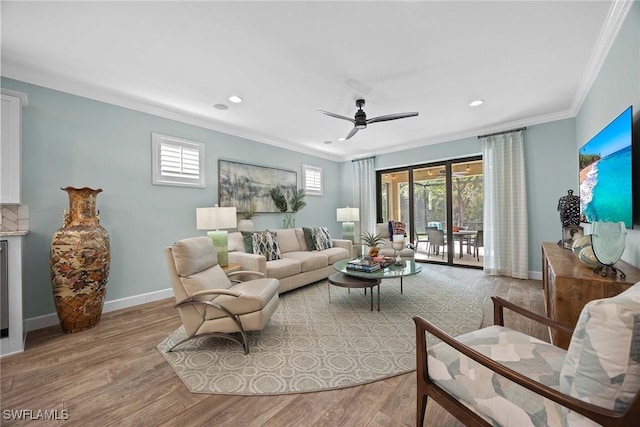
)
(209, 302)
(500, 377)
(386, 249)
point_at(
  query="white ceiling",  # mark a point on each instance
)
(531, 61)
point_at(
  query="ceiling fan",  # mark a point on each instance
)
(360, 121)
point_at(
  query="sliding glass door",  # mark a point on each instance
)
(442, 205)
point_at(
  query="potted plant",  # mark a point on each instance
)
(372, 241)
(246, 214)
(290, 208)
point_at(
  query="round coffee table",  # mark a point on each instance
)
(345, 281)
(408, 268)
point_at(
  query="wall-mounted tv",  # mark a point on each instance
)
(605, 164)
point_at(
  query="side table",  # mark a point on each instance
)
(231, 267)
(351, 282)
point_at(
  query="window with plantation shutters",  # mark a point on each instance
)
(177, 161)
(312, 180)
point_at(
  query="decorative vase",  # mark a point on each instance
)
(79, 264)
(245, 225)
(289, 220)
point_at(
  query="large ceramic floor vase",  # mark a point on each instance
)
(79, 264)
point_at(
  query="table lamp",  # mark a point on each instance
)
(214, 219)
(347, 216)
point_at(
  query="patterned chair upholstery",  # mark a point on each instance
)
(500, 377)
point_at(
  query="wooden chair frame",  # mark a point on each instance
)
(427, 388)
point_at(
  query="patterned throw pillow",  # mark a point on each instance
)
(396, 227)
(266, 243)
(603, 360)
(322, 238)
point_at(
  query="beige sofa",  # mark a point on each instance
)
(298, 266)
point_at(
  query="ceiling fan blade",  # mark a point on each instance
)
(353, 132)
(337, 116)
(388, 117)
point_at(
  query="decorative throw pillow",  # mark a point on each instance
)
(266, 243)
(396, 227)
(602, 365)
(322, 238)
(309, 237)
(247, 237)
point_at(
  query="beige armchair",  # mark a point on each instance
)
(501, 377)
(210, 304)
(382, 228)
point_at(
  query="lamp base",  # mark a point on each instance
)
(348, 231)
(220, 241)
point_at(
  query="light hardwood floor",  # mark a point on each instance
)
(112, 375)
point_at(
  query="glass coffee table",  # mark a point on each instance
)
(392, 271)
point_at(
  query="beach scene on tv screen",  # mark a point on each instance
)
(605, 174)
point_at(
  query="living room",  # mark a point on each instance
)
(91, 139)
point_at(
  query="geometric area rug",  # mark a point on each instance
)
(312, 345)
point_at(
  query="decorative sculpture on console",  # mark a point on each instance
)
(569, 208)
(608, 240)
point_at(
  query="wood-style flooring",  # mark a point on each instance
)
(112, 375)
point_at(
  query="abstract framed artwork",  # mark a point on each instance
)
(246, 185)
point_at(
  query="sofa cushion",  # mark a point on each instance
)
(236, 242)
(497, 400)
(335, 254)
(288, 240)
(285, 267)
(603, 360)
(266, 243)
(383, 230)
(309, 261)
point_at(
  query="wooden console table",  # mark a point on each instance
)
(569, 284)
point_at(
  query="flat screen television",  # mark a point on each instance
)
(606, 181)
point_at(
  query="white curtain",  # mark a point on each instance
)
(506, 240)
(364, 194)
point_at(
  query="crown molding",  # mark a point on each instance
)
(613, 22)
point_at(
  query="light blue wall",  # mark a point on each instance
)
(551, 169)
(616, 87)
(74, 141)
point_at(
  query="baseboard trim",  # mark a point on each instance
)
(39, 322)
(535, 275)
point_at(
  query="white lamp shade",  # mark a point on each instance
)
(347, 214)
(215, 218)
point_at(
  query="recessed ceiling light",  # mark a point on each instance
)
(476, 103)
(342, 138)
(328, 142)
(221, 106)
(235, 99)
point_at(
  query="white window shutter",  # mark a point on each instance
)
(177, 161)
(312, 180)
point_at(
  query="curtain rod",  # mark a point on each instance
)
(363, 158)
(500, 133)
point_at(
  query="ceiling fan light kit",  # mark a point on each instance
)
(360, 120)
